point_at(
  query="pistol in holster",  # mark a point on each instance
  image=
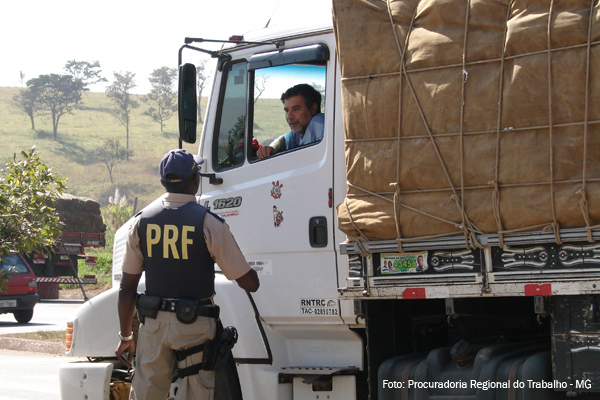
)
(215, 351)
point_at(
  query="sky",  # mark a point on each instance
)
(41, 36)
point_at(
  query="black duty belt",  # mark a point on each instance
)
(187, 310)
(167, 304)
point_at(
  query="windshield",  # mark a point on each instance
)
(252, 111)
(16, 263)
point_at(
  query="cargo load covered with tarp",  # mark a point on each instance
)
(79, 214)
(469, 117)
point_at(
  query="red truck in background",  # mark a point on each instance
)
(83, 227)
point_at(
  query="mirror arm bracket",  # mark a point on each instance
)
(212, 179)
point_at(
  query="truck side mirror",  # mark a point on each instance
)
(187, 103)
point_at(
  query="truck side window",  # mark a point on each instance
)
(229, 148)
(269, 113)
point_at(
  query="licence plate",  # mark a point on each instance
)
(8, 303)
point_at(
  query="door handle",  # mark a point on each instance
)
(317, 231)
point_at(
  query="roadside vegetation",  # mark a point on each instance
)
(46, 336)
(115, 214)
(76, 155)
(29, 222)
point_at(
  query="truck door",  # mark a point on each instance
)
(279, 208)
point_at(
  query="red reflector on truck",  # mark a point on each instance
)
(414, 293)
(538, 290)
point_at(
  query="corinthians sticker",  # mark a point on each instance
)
(277, 217)
(276, 190)
(319, 307)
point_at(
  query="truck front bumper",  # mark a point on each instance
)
(81, 380)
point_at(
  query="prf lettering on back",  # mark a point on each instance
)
(170, 238)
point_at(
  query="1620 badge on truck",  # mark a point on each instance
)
(220, 204)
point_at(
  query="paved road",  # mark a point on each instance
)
(48, 315)
(30, 376)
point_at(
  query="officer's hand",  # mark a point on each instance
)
(125, 352)
(265, 151)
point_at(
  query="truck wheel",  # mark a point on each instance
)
(23, 316)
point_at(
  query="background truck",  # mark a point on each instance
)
(438, 242)
(82, 227)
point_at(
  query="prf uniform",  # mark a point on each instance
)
(176, 242)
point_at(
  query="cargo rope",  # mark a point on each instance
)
(555, 223)
(583, 203)
(495, 184)
(496, 191)
(401, 53)
(466, 226)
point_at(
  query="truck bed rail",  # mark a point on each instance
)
(459, 242)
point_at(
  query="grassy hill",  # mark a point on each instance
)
(80, 134)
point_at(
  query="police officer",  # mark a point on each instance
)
(176, 242)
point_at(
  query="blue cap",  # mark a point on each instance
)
(177, 165)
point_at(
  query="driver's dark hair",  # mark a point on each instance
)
(309, 94)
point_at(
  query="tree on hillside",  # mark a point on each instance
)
(111, 153)
(28, 219)
(59, 94)
(27, 101)
(162, 99)
(260, 85)
(120, 92)
(321, 90)
(88, 73)
(201, 83)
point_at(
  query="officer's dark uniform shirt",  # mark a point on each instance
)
(176, 260)
(219, 244)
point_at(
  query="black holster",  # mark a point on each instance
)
(215, 351)
(186, 311)
(147, 306)
(229, 338)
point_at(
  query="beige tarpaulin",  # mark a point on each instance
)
(79, 214)
(467, 117)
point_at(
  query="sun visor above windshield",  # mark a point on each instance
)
(317, 52)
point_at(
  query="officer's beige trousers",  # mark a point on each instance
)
(155, 359)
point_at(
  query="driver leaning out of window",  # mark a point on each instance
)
(302, 106)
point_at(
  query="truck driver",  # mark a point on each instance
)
(302, 106)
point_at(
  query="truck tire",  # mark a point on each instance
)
(23, 316)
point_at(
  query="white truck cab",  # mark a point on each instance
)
(376, 282)
(296, 337)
